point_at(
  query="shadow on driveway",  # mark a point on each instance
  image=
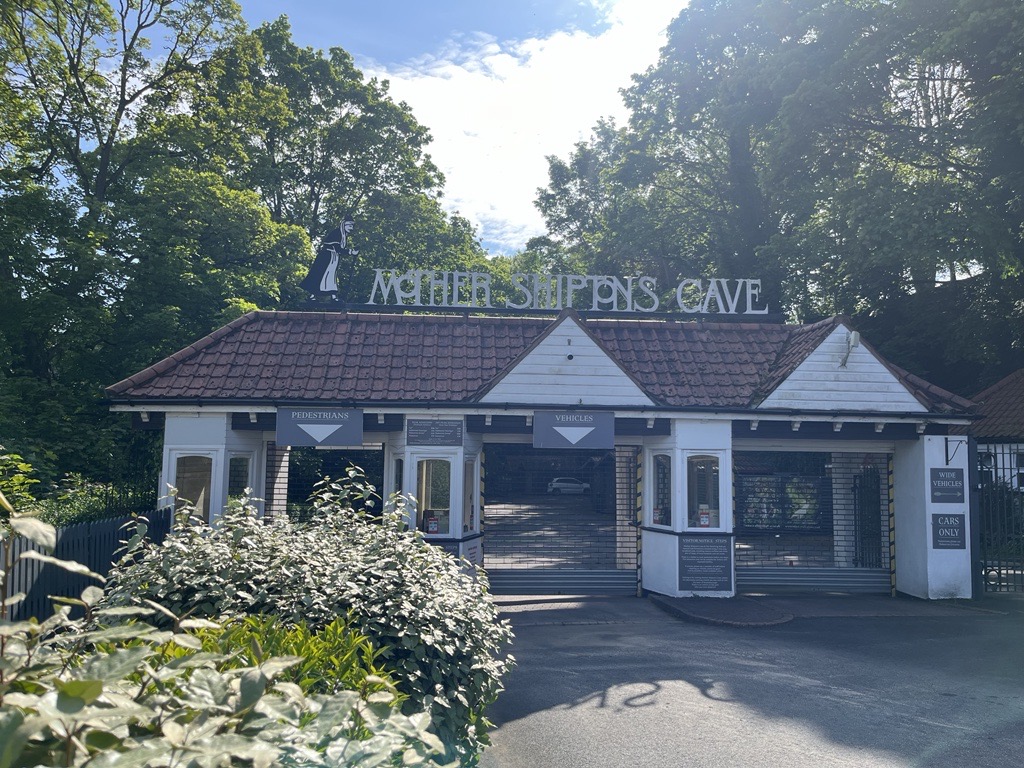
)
(618, 682)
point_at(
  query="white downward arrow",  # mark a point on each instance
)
(574, 434)
(319, 432)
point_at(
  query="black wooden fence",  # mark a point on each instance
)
(94, 545)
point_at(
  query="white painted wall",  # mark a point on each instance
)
(195, 434)
(921, 570)
(210, 429)
(209, 434)
(820, 383)
(660, 554)
(697, 434)
(546, 376)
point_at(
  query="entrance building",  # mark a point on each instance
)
(568, 453)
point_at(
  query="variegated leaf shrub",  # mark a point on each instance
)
(113, 689)
(429, 616)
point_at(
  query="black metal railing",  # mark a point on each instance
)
(1001, 516)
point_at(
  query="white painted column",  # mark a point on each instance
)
(198, 435)
(933, 535)
(680, 562)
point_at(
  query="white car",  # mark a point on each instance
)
(568, 485)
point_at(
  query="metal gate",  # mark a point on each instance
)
(867, 508)
(560, 521)
(1001, 516)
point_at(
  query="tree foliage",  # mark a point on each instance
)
(862, 158)
(163, 169)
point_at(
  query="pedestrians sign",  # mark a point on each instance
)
(322, 427)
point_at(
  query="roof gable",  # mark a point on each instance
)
(566, 366)
(832, 371)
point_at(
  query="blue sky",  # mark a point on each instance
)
(501, 85)
(393, 32)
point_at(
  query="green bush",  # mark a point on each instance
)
(335, 658)
(76, 693)
(75, 500)
(16, 479)
(432, 621)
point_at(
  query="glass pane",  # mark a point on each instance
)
(702, 492)
(193, 477)
(434, 494)
(238, 476)
(662, 490)
(399, 475)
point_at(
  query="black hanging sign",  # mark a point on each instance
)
(323, 427)
(573, 429)
(434, 431)
(947, 485)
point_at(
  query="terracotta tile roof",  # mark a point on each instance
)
(1002, 410)
(692, 364)
(296, 357)
(937, 399)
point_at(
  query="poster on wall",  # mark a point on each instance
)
(473, 551)
(705, 563)
(434, 431)
(320, 427)
(574, 429)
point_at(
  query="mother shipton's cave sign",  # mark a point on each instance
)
(598, 293)
(322, 280)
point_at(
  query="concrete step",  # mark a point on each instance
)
(551, 581)
(863, 580)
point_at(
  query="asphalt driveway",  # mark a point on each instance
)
(616, 682)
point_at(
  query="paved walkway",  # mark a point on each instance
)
(851, 681)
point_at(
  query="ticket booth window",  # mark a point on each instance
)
(239, 476)
(702, 492)
(434, 496)
(193, 477)
(662, 508)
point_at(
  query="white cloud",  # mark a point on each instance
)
(496, 109)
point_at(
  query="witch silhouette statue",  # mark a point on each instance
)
(322, 280)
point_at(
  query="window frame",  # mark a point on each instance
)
(250, 457)
(216, 457)
(724, 489)
(454, 481)
(653, 489)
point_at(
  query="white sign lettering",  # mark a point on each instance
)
(598, 293)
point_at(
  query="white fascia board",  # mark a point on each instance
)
(529, 410)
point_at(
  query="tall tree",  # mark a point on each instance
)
(855, 155)
(161, 171)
